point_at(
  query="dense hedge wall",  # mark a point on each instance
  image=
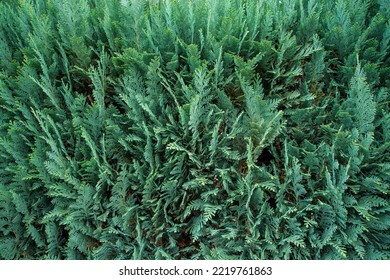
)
(194, 129)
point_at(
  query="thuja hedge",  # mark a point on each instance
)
(194, 129)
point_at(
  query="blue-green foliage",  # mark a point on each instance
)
(172, 129)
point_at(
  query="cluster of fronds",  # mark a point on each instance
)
(175, 129)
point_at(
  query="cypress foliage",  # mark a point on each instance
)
(172, 129)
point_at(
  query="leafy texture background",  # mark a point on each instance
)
(175, 129)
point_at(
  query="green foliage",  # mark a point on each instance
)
(172, 129)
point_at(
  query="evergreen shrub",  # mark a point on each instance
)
(194, 129)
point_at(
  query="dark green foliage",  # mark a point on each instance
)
(172, 129)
